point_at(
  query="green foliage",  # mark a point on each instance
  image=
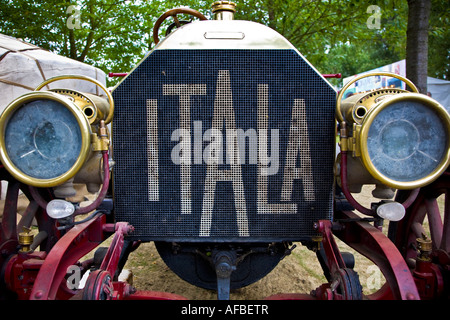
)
(364, 48)
(439, 40)
(333, 35)
(110, 34)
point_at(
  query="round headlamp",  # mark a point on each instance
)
(44, 138)
(405, 140)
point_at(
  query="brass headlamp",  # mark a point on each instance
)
(401, 138)
(47, 137)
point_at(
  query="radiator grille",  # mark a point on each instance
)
(182, 170)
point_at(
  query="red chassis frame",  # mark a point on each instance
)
(40, 275)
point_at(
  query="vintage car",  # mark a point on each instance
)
(220, 147)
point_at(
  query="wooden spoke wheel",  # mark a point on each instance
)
(429, 215)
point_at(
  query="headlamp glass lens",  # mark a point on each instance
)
(43, 139)
(407, 141)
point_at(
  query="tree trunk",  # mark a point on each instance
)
(417, 43)
(271, 12)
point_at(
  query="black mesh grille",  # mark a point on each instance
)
(173, 180)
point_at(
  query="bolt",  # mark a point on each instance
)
(38, 294)
(132, 290)
(410, 296)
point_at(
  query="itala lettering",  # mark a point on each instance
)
(226, 144)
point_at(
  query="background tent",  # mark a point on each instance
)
(24, 66)
(439, 89)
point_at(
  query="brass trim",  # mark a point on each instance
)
(86, 78)
(223, 10)
(364, 132)
(339, 114)
(355, 107)
(355, 148)
(85, 130)
(223, 5)
(82, 101)
(25, 239)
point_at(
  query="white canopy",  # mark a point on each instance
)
(24, 66)
(440, 91)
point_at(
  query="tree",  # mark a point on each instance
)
(311, 26)
(336, 36)
(439, 40)
(88, 31)
(417, 43)
(333, 35)
(110, 34)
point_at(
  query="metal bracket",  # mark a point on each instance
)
(373, 244)
(225, 264)
(99, 284)
(344, 282)
(111, 259)
(72, 246)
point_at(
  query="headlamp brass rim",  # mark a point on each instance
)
(79, 99)
(89, 79)
(85, 131)
(364, 133)
(340, 116)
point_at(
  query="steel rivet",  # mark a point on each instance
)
(38, 294)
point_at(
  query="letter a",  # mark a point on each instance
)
(224, 112)
(298, 145)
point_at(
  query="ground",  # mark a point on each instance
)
(298, 273)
